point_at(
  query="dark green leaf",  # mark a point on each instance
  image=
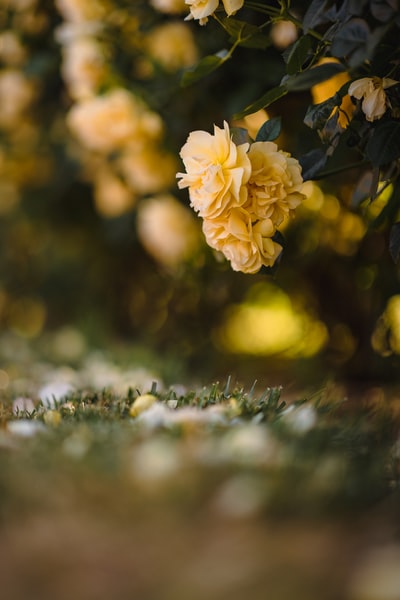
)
(206, 66)
(362, 191)
(246, 34)
(384, 144)
(265, 100)
(383, 10)
(394, 242)
(240, 135)
(315, 14)
(351, 37)
(312, 162)
(298, 54)
(270, 130)
(306, 79)
(356, 7)
(318, 114)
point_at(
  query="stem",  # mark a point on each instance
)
(267, 10)
(281, 16)
(336, 170)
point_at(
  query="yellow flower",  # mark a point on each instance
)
(371, 91)
(283, 33)
(169, 6)
(202, 9)
(217, 171)
(78, 11)
(111, 195)
(148, 169)
(172, 45)
(248, 246)
(112, 121)
(83, 67)
(275, 184)
(167, 229)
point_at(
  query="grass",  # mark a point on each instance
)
(219, 492)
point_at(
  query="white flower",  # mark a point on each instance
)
(372, 92)
(202, 9)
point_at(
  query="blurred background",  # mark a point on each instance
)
(101, 250)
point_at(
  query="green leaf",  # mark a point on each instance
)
(383, 10)
(351, 37)
(318, 114)
(240, 135)
(384, 144)
(394, 242)
(265, 100)
(270, 130)
(312, 162)
(362, 190)
(298, 54)
(206, 66)
(306, 79)
(314, 15)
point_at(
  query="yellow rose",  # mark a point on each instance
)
(371, 91)
(202, 9)
(111, 121)
(148, 170)
(169, 6)
(172, 46)
(275, 184)
(77, 11)
(248, 246)
(167, 229)
(16, 95)
(217, 171)
(83, 67)
(112, 197)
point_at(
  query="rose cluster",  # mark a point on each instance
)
(243, 193)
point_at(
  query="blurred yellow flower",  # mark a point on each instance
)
(148, 170)
(167, 229)
(283, 33)
(216, 171)
(172, 45)
(112, 197)
(83, 67)
(77, 11)
(170, 7)
(275, 184)
(371, 90)
(112, 121)
(16, 94)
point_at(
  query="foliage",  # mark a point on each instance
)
(83, 248)
(362, 40)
